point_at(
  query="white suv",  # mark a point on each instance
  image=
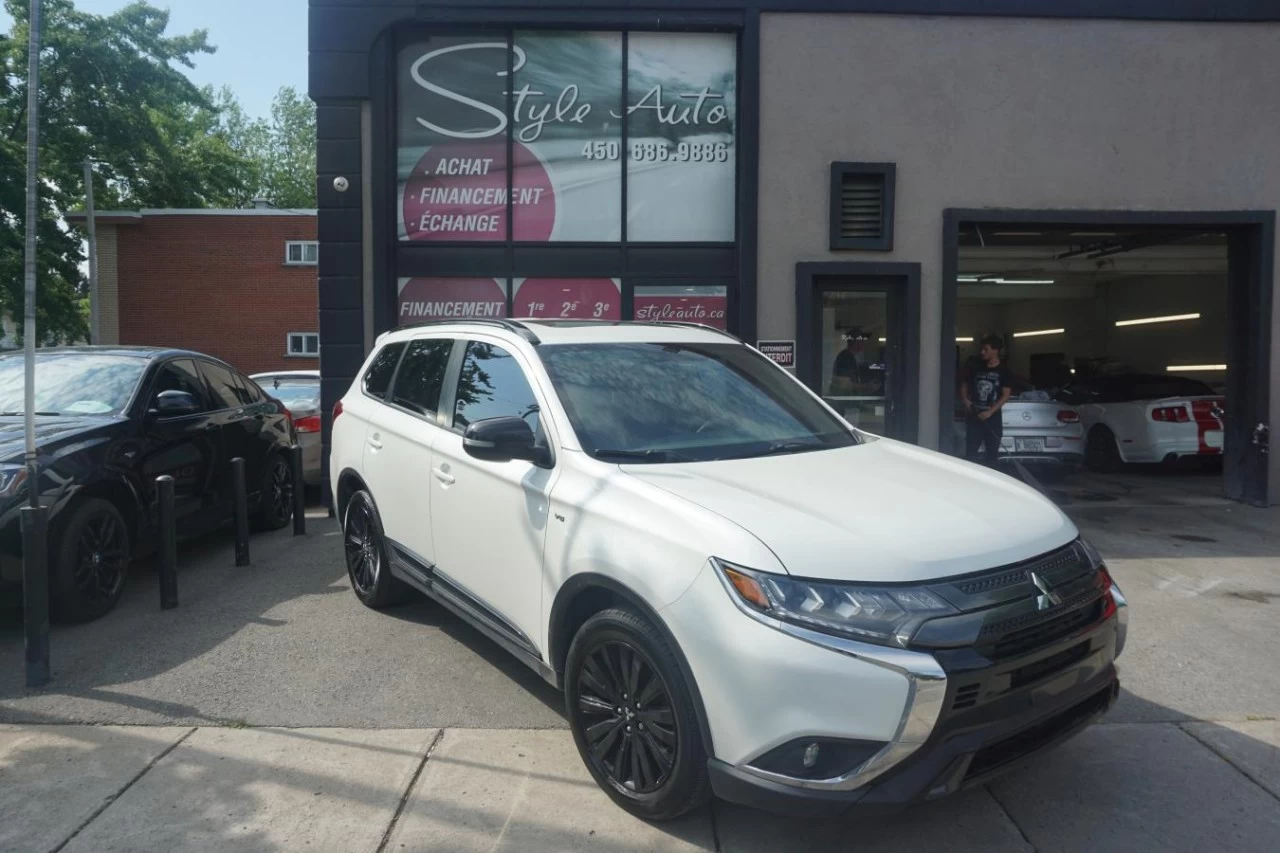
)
(738, 592)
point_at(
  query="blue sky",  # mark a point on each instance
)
(262, 44)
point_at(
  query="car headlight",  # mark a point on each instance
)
(888, 615)
(11, 479)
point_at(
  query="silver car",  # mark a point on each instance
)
(299, 391)
(1038, 430)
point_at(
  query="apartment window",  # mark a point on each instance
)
(301, 252)
(305, 344)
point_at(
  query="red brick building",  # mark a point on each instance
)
(236, 284)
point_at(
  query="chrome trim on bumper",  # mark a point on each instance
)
(926, 692)
(1122, 617)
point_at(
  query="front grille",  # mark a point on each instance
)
(1058, 567)
(1029, 740)
(1021, 641)
(1032, 672)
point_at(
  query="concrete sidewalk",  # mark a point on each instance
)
(1120, 786)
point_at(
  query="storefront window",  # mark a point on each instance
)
(855, 362)
(577, 298)
(552, 102)
(423, 299)
(680, 136)
(705, 305)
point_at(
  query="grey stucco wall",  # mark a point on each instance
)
(1005, 113)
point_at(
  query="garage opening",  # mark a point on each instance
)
(1118, 342)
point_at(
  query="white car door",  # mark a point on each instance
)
(489, 518)
(397, 453)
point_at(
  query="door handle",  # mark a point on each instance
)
(374, 443)
(444, 476)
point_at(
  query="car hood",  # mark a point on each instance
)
(882, 511)
(48, 429)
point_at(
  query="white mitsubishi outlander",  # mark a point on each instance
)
(738, 592)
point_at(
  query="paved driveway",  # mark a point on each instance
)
(277, 713)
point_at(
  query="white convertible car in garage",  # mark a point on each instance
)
(1139, 417)
(1038, 430)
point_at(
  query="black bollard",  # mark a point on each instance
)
(168, 542)
(35, 592)
(241, 499)
(299, 492)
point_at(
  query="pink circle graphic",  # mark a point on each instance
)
(458, 192)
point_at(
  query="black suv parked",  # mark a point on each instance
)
(109, 420)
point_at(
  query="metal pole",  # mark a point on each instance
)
(241, 499)
(168, 543)
(35, 593)
(35, 518)
(95, 321)
(299, 492)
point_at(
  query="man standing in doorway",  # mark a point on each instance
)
(985, 391)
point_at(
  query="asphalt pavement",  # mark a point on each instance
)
(271, 711)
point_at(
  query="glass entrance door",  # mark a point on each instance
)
(860, 330)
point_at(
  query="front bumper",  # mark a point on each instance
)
(995, 714)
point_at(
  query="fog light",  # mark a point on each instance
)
(810, 756)
(816, 757)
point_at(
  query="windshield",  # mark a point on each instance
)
(648, 402)
(72, 383)
(297, 393)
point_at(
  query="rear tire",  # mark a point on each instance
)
(1102, 453)
(633, 718)
(90, 554)
(275, 501)
(365, 546)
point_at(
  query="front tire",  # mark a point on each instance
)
(633, 718)
(90, 554)
(366, 552)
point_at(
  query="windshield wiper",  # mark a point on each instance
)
(779, 447)
(652, 455)
(15, 414)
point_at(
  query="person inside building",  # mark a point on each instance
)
(984, 392)
(851, 372)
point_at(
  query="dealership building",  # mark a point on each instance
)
(1094, 182)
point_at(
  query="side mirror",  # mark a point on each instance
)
(501, 440)
(174, 404)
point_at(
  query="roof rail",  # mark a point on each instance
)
(686, 325)
(510, 325)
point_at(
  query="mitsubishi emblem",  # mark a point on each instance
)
(1047, 598)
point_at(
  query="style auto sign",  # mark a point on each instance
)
(454, 102)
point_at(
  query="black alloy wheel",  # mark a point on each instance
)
(633, 716)
(1102, 454)
(626, 713)
(366, 555)
(90, 553)
(102, 557)
(275, 506)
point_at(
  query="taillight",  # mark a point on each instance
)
(337, 410)
(308, 424)
(1068, 416)
(1109, 601)
(1171, 414)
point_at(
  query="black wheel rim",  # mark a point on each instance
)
(281, 491)
(102, 556)
(364, 559)
(624, 711)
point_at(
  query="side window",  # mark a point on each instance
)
(180, 375)
(421, 376)
(377, 379)
(253, 392)
(225, 391)
(492, 385)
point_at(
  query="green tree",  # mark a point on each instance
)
(283, 150)
(111, 90)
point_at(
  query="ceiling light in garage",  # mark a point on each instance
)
(992, 279)
(1175, 368)
(1038, 332)
(1016, 233)
(964, 340)
(1166, 319)
(1093, 233)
